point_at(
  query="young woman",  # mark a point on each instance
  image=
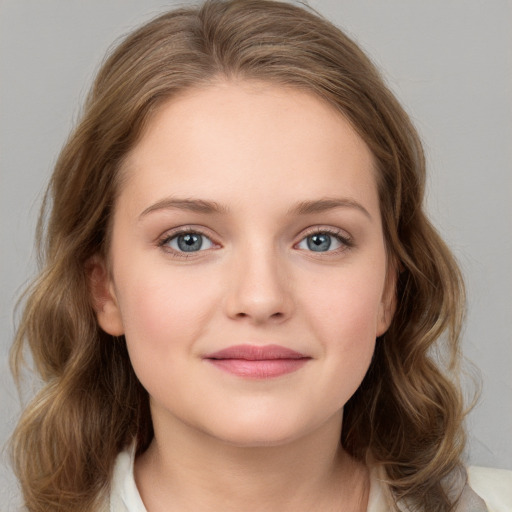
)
(241, 293)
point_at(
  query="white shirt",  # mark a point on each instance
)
(494, 486)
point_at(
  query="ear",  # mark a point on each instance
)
(388, 304)
(103, 296)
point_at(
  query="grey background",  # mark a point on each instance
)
(449, 62)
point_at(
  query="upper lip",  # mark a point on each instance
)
(256, 353)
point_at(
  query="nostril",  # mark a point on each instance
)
(276, 316)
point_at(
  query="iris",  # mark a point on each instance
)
(319, 242)
(189, 242)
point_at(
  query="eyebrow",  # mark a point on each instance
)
(211, 207)
(193, 205)
(322, 205)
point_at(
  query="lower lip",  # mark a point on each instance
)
(259, 369)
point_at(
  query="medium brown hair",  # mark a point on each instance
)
(407, 414)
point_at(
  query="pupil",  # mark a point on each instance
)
(320, 242)
(190, 242)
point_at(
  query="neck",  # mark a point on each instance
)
(194, 471)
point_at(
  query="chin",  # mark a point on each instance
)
(258, 439)
(260, 432)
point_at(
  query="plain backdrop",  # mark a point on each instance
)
(450, 64)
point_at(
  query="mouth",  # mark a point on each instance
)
(257, 362)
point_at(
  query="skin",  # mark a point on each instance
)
(271, 443)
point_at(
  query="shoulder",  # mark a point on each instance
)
(488, 490)
(494, 486)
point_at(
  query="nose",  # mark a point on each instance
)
(259, 290)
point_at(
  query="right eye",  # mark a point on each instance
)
(189, 241)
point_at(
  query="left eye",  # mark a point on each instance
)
(189, 242)
(320, 242)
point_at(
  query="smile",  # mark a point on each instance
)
(257, 362)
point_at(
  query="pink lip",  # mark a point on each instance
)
(257, 362)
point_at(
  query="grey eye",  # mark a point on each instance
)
(190, 242)
(320, 242)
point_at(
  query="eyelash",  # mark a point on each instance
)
(346, 241)
(182, 231)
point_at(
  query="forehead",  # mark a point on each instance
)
(247, 140)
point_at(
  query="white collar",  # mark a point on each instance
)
(125, 497)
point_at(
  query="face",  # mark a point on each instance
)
(248, 267)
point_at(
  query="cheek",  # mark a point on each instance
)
(164, 315)
(345, 316)
(349, 303)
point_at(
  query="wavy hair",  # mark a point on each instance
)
(407, 414)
